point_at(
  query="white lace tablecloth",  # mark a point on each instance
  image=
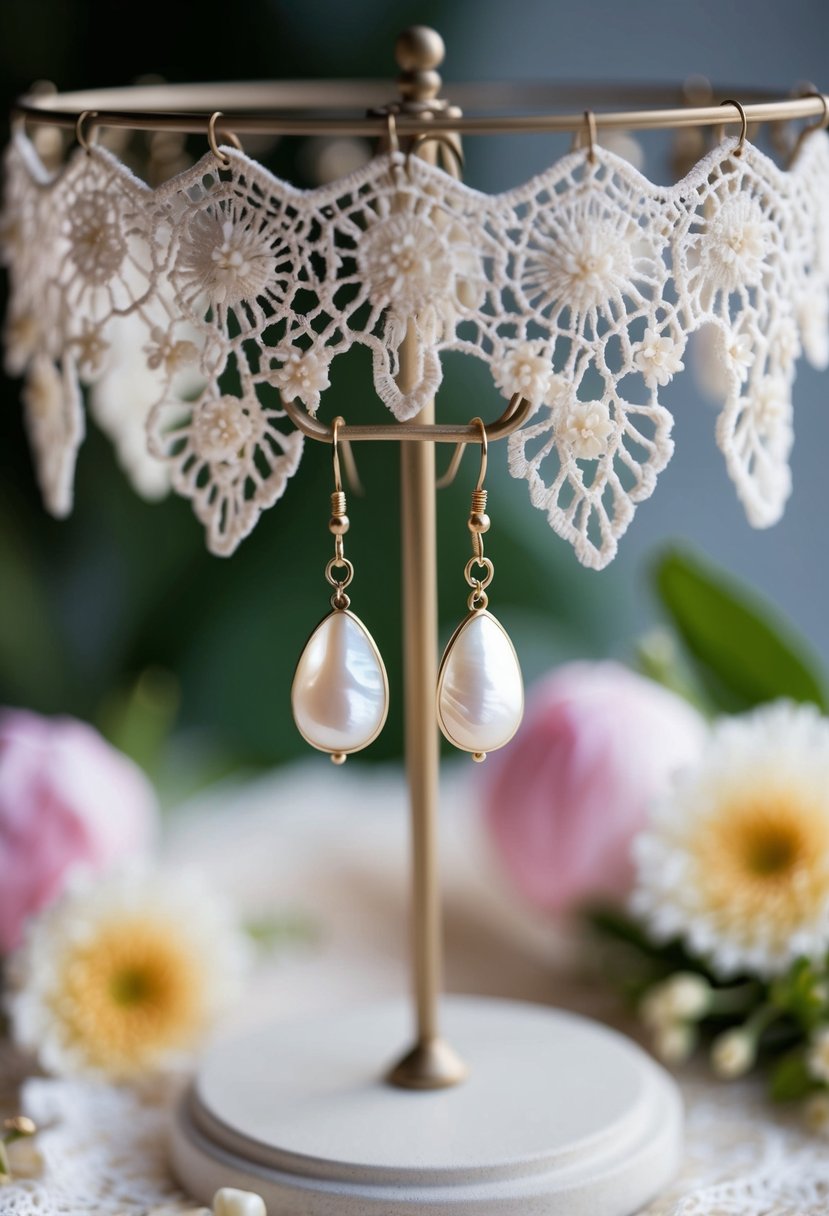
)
(330, 849)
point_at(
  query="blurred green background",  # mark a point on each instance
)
(119, 614)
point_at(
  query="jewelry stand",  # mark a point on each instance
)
(546, 1112)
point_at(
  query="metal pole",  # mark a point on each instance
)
(431, 1063)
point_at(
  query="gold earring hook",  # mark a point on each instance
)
(821, 125)
(457, 456)
(81, 135)
(738, 151)
(335, 452)
(229, 137)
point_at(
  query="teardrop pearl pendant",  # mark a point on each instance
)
(480, 693)
(340, 693)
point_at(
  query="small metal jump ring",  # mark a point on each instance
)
(590, 120)
(230, 138)
(339, 563)
(821, 125)
(738, 151)
(86, 116)
(485, 564)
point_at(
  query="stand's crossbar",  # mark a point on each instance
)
(512, 418)
(255, 109)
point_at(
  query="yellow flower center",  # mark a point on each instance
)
(129, 994)
(763, 857)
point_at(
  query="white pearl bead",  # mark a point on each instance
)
(480, 688)
(340, 694)
(231, 1202)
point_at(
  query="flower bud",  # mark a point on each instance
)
(733, 1053)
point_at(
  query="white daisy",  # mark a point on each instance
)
(125, 974)
(735, 861)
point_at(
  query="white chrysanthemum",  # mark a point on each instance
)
(658, 357)
(736, 859)
(586, 427)
(528, 369)
(735, 247)
(125, 974)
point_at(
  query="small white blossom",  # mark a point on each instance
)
(221, 429)
(771, 408)
(658, 357)
(818, 1057)
(91, 349)
(733, 1053)
(166, 354)
(526, 370)
(303, 374)
(586, 427)
(784, 343)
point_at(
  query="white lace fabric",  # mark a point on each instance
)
(578, 289)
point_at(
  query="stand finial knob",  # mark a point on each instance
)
(419, 50)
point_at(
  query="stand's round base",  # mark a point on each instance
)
(558, 1115)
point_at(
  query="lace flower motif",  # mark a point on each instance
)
(303, 375)
(658, 357)
(55, 424)
(97, 246)
(526, 369)
(736, 245)
(405, 264)
(229, 455)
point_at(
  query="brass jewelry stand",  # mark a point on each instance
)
(557, 1116)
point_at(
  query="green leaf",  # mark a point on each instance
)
(745, 656)
(790, 1078)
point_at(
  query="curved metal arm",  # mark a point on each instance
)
(511, 419)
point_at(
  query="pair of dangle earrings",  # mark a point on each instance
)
(340, 691)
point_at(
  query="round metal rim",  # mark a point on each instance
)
(311, 107)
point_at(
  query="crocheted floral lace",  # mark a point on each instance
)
(104, 1152)
(194, 310)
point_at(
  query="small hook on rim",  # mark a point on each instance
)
(84, 137)
(590, 122)
(738, 151)
(221, 157)
(821, 125)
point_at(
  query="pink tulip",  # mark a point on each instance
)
(565, 798)
(67, 800)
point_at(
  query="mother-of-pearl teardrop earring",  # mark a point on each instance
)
(340, 692)
(480, 693)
